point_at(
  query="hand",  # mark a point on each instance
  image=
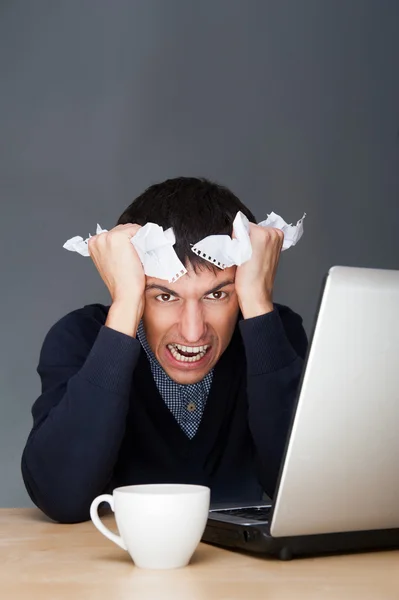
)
(255, 279)
(122, 272)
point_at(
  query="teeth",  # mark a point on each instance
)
(197, 352)
(191, 349)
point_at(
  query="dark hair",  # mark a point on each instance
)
(194, 207)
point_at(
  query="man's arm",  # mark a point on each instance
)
(79, 419)
(275, 346)
(86, 372)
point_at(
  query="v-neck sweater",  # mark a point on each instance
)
(100, 421)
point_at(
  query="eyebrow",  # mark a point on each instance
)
(166, 290)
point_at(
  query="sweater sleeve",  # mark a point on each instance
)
(275, 347)
(79, 419)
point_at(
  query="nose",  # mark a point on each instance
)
(192, 325)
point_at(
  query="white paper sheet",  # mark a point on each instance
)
(224, 251)
(155, 249)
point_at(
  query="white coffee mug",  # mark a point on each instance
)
(160, 525)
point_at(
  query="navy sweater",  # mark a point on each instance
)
(100, 421)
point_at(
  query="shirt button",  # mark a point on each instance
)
(191, 407)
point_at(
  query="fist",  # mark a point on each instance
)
(118, 263)
(255, 279)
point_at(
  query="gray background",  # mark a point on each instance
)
(292, 103)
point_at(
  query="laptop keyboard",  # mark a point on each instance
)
(257, 513)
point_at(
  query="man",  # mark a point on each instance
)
(190, 382)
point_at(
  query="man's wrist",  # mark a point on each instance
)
(255, 308)
(124, 316)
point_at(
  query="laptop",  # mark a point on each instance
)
(338, 487)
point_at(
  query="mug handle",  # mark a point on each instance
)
(100, 525)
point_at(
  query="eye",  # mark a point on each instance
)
(165, 298)
(217, 296)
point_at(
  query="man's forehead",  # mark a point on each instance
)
(201, 280)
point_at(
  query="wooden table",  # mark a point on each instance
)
(40, 560)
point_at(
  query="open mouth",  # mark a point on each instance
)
(188, 353)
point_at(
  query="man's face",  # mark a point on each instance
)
(189, 324)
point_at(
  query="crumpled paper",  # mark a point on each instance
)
(224, 251)
(78, 244)
(155, 249)
(159, 259)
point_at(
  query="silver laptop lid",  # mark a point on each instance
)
(341, 470)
